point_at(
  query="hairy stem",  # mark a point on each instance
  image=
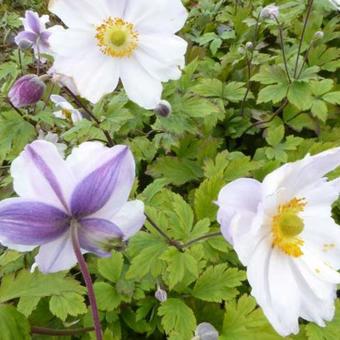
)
(309, 11)
(88, 281)
(60, 332)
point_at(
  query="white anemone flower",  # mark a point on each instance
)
(130, 40)
(67, 111)
(283, 231)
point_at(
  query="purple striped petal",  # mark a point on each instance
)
(27, 222)
(47, 172)
(98, 236)
(33, 22)
(95, 190)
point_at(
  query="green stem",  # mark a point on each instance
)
(202, 238)
(60, 332)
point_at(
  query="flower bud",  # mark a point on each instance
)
(163, 108)
(161, 295)
(26, 91)
(319, 35)
(206, 331)
(270, 12)
(249, 45)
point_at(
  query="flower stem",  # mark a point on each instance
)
(60, 332)
(110, 141)
(202, 238)
(309, 11)
(88, 282)
(283, 48)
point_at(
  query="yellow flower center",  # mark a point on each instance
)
(287, 225)
(117, 38)
(67, 114)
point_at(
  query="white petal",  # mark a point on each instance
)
(57, 255)
(90, 156)
(116, 8)
(130, 218)
(80, 14)
(239, 197)
(94, 74)
(139, 85)
(43, 175)
(166, 16)
(61, 102)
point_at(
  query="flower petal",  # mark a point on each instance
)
(106, 188)
(80, 14)
(98, 235)
(40, 173)
(57, 255)
(26, 36)
(168, 16)
(32, 22)
(130, 218)
(239, 197)
(147, 91)
(26, 222)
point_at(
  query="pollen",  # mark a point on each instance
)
(117, 38)
(287, 225)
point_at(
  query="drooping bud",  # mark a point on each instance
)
(206, 331)
(319, 35)
(249, 45)
(25, 44)
(160, 294)
(270, 12)
(163, 108)
(26, 91)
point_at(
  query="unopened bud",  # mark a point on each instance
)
(26, 91)
(163, 108)
(249, 45)
(206, 331)
(161, 295)
(319, 35)
(270, 12)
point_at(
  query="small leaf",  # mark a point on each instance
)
(111, 268)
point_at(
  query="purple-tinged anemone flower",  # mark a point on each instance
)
(26, 91)
(85, 195)
(35, 33)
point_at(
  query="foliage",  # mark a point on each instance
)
(235, 113)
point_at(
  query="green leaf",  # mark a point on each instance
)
(177, 319)
(111, 268)
(25, 284)
(67, 304)
(319, 110)
(178, 265)
(14, 326)
(198, 107)
(218, 283)
(205, 197)
(332, 97)
(177, 170)
(107, 296)
(146, 249)
(275, 135)
(274, 93)
(243, 321)
(270, 75)
(299, 94)
(27, 304)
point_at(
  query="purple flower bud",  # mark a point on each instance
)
(206, 331)
(319, 35)
(161, 295)
(25, 44)
(270, 12)
(26, 91)
(249, 45)
(163, 108)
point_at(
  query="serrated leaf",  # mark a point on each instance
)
(332, 97)
(275, 135)
(67, 304)
(217, 283)
(177, 319)
(111, 268)
(107, 296)
(36, 284)
(27, 304)
(274, 93)
(299, 94)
